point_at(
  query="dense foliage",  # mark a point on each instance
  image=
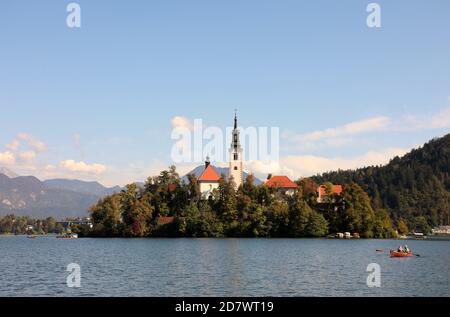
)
(413, 190)
(251, 211)
(11, 224)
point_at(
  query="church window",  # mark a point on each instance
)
(236, 156)
(235, 168)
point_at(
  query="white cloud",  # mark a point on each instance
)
(82, 167)
(440, 120)
(311, 165)
(27, 156)
(14, 145)
(308, 165)
(353, 128)
(32, 142)
(182, 122)
(7, 158)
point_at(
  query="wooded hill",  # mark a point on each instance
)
(415, 187)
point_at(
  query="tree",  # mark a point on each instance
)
(402, 227)
(225, 206)
(317, 226)
(106, 216)
(299, 218)
(358, 215)
(136, 213)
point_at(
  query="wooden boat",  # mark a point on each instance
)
(396, 254)
(31, 237)
(68, 236)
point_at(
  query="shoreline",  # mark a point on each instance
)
(429, 238)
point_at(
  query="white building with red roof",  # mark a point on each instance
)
(323, 195)
(283, 184)
(208, 180)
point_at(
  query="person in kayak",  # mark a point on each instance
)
(407, 250)
(400, 249)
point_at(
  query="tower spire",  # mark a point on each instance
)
(236, 156)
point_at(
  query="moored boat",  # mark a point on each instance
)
(396, 254)
(68, 236)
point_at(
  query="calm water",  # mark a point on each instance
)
(235, 267)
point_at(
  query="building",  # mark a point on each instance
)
(236, 171)
(323, 195)
(208, 180)
(282, 184)
(442, 230)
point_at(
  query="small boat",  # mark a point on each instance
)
(31, 237)
(396, 254)
(68, 236)
(380, 250)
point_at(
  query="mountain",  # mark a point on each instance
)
(7, 172)
(220, 170)
(415, 186)
(60, 198)
(81, 186)
(28, 196)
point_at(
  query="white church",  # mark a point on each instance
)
(209, 179)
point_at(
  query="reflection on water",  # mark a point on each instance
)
(228, 267)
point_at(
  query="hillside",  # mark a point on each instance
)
(28, 196)
(415, 185)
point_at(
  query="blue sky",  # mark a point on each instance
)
(97, 103)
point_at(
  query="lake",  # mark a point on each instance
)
(220, 267)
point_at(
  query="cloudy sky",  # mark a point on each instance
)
(100, 102)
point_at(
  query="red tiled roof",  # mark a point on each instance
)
(337, 189)
(162, 221)
(281, 182)
(172, 187)
(209, 175)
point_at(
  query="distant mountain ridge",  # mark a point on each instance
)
(60, 198)
(81, 186)
(7, 172)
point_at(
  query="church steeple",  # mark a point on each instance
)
(236, 143)
(236, 156)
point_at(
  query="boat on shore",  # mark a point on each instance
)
(68, 236)
(396, 254)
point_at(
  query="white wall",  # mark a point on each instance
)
(206, 188)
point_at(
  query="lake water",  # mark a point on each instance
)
(228, 267)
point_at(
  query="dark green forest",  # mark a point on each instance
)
(414, 188)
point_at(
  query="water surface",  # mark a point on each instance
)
(214, 267)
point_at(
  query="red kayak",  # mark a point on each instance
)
(396, 254)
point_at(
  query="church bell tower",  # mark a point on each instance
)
(236, 157)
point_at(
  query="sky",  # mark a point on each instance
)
(100, 102)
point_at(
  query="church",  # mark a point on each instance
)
(209, 179)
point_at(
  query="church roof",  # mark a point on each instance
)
(281, 182)
(209, 175)
(336, 189)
